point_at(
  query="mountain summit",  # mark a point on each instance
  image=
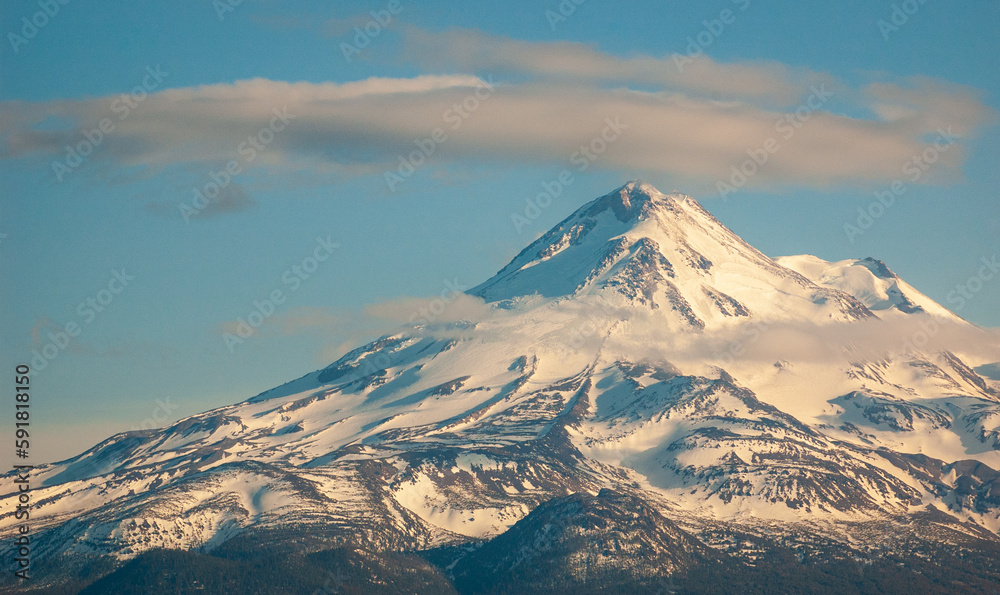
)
(638, 247)
(638, 352)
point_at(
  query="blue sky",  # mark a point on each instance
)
(202, 85)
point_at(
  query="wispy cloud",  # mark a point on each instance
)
(404, 309)
(295, 321)
(231, 199)
(694, 123)
(926, 104)
(464, 50)
(309, 319)
(868, 340)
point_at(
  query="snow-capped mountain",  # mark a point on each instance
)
(638, 352)
(870, 281)
(638, 248)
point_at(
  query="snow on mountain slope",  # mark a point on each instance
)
(868, 280)
(639, 344)
(637, 247)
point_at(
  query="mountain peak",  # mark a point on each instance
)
(636, 247)
(632, 201)
(878, 268)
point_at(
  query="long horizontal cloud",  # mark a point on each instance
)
(209, 122)
(465, 50)
(555, 98)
